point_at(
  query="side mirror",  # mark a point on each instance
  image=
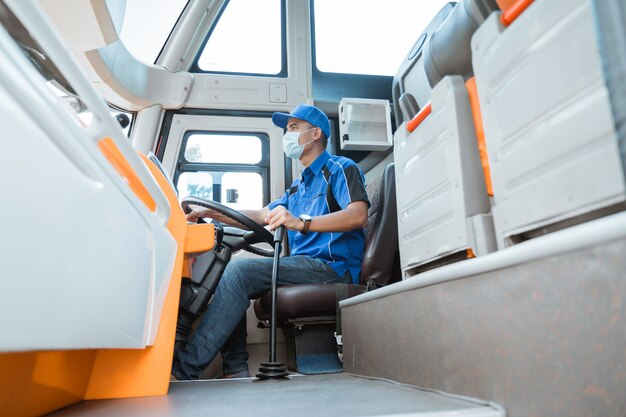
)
(232, 195)
(122, 119)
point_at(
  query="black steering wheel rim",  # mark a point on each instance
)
(261, 232)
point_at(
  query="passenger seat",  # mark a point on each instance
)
(547, 117)
(444, 212)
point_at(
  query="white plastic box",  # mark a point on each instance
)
(364, 124)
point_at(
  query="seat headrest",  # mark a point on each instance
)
(448, 51)
(443, 48)
(410, 76)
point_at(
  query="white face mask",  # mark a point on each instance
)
(291, 147)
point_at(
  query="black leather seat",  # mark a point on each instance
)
(380, 263)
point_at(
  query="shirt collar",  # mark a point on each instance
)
(319, 163)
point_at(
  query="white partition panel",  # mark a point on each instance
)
(548, 125)
(83, 262)
(443, 207)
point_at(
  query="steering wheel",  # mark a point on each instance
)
(257, 232)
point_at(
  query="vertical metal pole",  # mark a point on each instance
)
(273, 316)
(278, 238)
(272, 370)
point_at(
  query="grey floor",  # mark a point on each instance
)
(319, 395)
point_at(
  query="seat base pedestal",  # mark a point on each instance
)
(311, 347)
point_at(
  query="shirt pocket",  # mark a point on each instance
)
(319, 206)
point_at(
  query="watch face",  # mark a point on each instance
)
(305, 217)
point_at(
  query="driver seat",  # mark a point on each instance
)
(307, 312)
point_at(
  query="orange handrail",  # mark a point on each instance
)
(480, 132)
(505, 4)
(112, 153)
(510, 14)
(419, 118)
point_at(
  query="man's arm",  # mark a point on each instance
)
(354, 216)
(256, 215)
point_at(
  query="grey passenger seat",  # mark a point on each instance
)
(547, 117)
(441, 49)
(443, 205)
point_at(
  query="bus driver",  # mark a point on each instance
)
(324, 213)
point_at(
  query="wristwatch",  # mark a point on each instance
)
(307, 223)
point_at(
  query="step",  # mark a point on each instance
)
(539, 327)
(319, 395)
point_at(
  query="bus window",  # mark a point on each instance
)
(231, 168)
(147, 25)
(197, 184)
(397, 25)
(248, 190)
(358, 45)
(248, 38)
(223, 149)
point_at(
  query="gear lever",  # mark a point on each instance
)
(273, 370)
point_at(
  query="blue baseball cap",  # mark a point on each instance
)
(307, 113)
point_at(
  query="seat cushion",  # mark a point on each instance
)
(305, 300)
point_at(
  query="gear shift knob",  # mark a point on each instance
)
(278, 234)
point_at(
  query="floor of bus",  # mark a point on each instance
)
(311, 395)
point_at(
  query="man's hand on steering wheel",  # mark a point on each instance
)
(202, 212)
(197, 207)
(198, 213)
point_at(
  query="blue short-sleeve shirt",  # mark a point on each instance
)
(328, 185)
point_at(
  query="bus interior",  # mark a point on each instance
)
(492, 138)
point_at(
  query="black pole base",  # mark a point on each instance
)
(272, 371)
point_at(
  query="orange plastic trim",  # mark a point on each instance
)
(470, 254)
(504, 5)
(513, 11)
(123, 373)
(37, 383)
(112, 153)
(480, 132)
(187, 267)
(419, 118)
(200, 237)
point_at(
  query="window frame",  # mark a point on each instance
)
(262, 167)
(169, 36)
(284, 72)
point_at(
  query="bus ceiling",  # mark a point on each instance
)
(139, 56)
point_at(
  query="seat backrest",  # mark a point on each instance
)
(549, 129)
(381, 235)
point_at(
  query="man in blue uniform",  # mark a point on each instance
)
(324, 213)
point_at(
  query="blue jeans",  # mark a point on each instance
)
(223, 326)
